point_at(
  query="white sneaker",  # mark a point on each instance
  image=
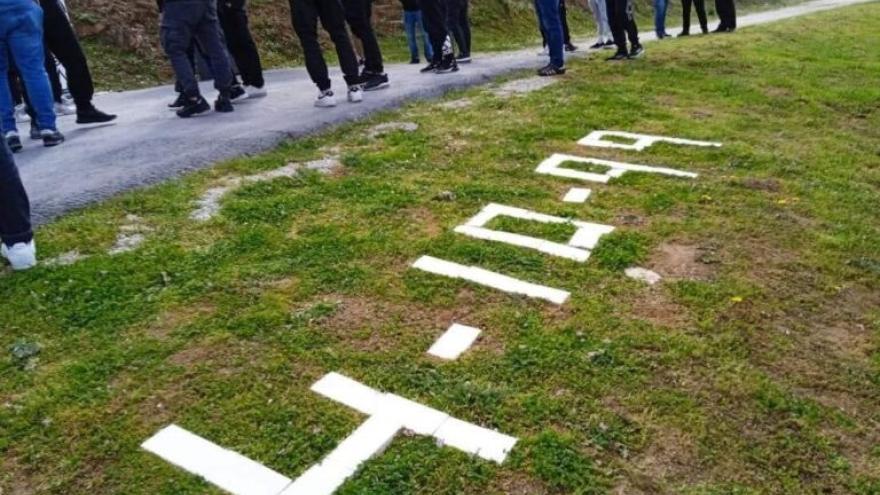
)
(21, 256)
(21, 115)
(65, 108)
(256, 92)
(326, 99)
(355, 93)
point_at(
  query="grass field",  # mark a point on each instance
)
(752, 368)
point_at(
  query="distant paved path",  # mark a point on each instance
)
(150, 144)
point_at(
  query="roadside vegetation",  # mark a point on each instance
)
(752, 368)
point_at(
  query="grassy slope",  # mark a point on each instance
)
(756, 372)
(497, 25)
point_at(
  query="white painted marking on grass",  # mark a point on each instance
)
(490, 279)
(208, 205)
(553, 166)
(475, 440)
(349, 392)
(224, 468)
(454, 342)
(640, 141)
(643, 275)
(577, 195)
(586, 235)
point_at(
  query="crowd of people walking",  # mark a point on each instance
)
(38, 46)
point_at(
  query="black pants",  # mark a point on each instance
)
(434, 13)
(185, 22)
(15, 209)
(305, 15)
(459, 23)
(359, 15)
(726, 10)
(563, 16)
(621, 19)
(62, 42)
(234, 21)
(686, 15)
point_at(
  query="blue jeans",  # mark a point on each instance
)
(548, 15)
(21, 35)
(660, 17)
(412, 22)
(15, 210)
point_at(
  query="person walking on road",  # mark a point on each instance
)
(185, 22)
(436, 17)
(726, 10)
(21, 46)
(660, 8)
(551, 27)
(459, 21)
(412, 25)
(16, 237)
(305, 15)
(700, 6)
(603, 30)
(621, 19)
(240, 43)
(359, 16)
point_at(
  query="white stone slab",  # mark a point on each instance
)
(349, 392)
(370, 439)
(456, 340)
(553, 166)
(320, 479)
(643, 275)
(490, 279)
(476, 440)
(224, 468)
(577, 195)
(640, 141)
(418, 418)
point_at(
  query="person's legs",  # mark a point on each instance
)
(332, 17)
(357, 14)
(660, 18)
(434, 15)
(686, 17)
(177, 40)
(563, 18)
(632, 31)
(7, 101)
(700, 6)
(207, 34)
(62, 42)
(453, 8)
(240, 42)
(464, 25)
(410, 19)
(304, 16)
(15, 210)
(426, 40)
(616, 21)
(553, 27)
(54, 77)
(731, 14)
(26, 45)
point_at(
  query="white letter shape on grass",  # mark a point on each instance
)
(641, 141)
(388, 415)
(553, 166)
(577, 249)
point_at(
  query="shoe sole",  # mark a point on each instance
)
(195, 114)
(86, 122)
(384, 85)
(446, 71)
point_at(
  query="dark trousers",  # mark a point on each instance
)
(234, 21)
(305, 15)
(700, 6)
(195, 20)
(62, 42)
(726, 10)
(15, 209)
(359, 15)
(459, 22)
(621, 19)
(563, 17)
(435, 17)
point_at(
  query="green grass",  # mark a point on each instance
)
(756, 370)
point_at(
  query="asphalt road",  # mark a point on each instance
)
(149, 144)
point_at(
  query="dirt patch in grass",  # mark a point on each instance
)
(425, 219)
(171, 319)
(518, 484)
(679, 261)
(654, 306)
(671, 456)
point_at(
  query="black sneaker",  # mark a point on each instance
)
(463, 59)
(180, 102)
(51, 137)
(223, 104)
(415, 61)
(636, 51)
(92, 115)
(237, 93)
(373, 81)
(447, 65)
(617, 56)
(193, 106)
(551, 70)
(13, 140)
(683, 34)
(431, 67)
(597, 45)
(570, 48)
(35, 132)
